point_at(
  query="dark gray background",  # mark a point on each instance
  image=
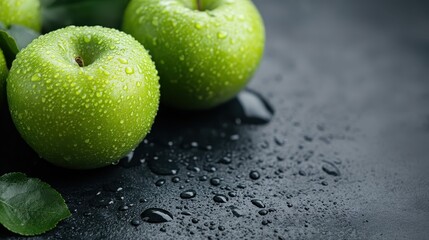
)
(349, 84)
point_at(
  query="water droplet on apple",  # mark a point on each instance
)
(123, 60)
(87, 38)
(198, 26)
(104, 71)
(129, 70)
(155, 21)
(222, 35)
(36, 77)
(139, 10)
(182, 58)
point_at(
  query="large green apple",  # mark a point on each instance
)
(83, 97)
(21, 12)
(3, 75)
(206, 51)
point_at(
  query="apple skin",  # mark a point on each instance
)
(3, 75)
(21, 12)
(204, 58)
(83, 117)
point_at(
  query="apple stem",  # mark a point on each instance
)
(79, 61)
(199, 8)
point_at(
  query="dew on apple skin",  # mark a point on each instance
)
(222, 35)
(123, 60)
(87, 38)
(129, 70)
(156, 215)
(36, 77)
(198, 26)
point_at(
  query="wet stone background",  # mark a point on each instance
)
(329, 141)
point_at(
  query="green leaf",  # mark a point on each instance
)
(15, 38)
(29, 206)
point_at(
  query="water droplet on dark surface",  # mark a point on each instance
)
(279, 141)
(113, 187)
(203, 178)
(215, 181)
(308, 138)
(330, 169)
(135, 222)
(232, 194)
(195, 220)
(302, 173)
(129, 161)
(225, 160)
(258, 203)
(187, 213)
(234, 137)
(220, 198)
(160, 182)
(236, 212)
(123, 208)
(175, 179)
(156, 215)
(263, 212)
(266, 222)
(251, 108)
(99, 201)
(254, 175)
(162, 166)
(188, 194)
(210, 168)
(193, 168)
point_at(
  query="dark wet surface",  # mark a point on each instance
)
(341, 152)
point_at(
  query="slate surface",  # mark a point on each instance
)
(345, 155)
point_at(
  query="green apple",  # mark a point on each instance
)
(3, 75)
(83, 97)
(205, 51)
(21, 12)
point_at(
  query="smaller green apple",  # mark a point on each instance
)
(83, 97)
(21, 12)
(3, 75)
